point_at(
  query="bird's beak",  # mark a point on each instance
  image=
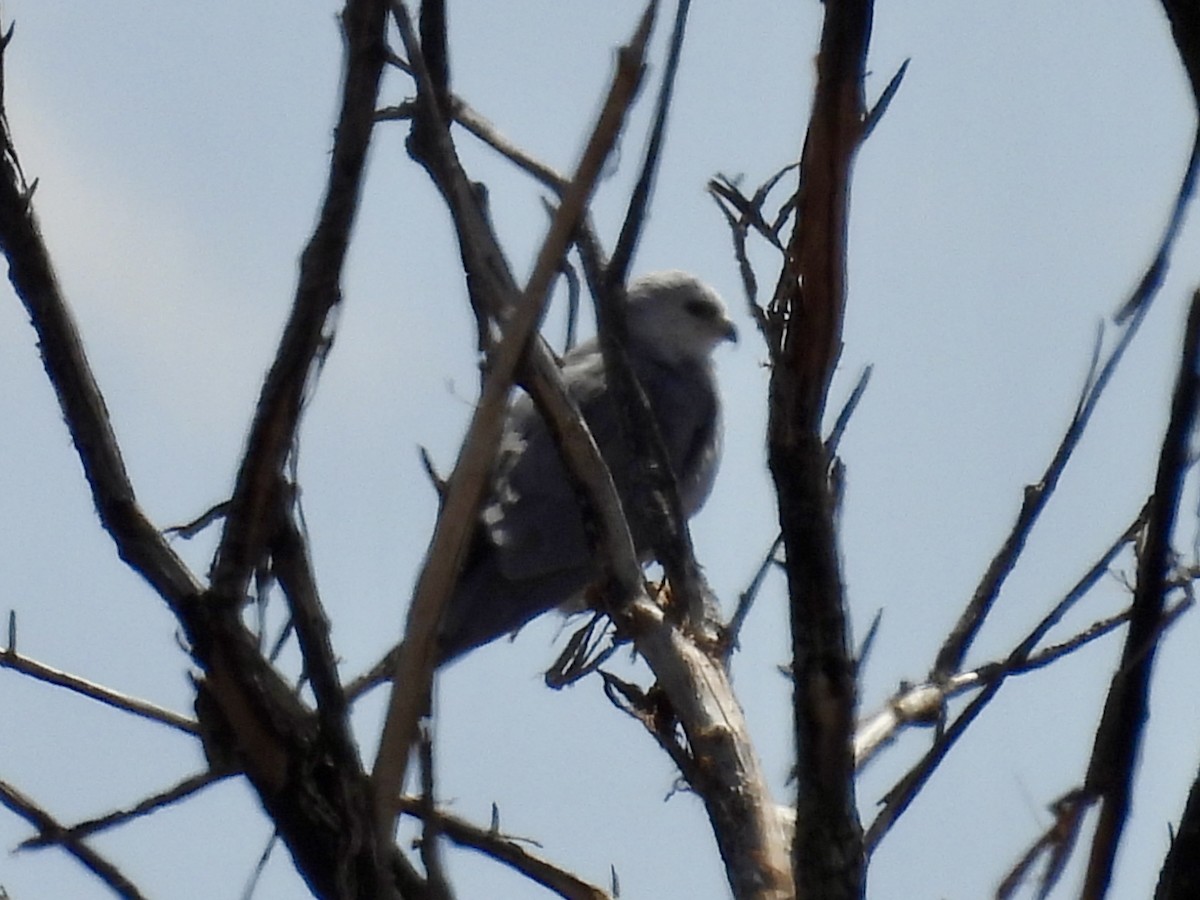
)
(730, 332)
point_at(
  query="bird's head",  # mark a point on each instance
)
(677, 317)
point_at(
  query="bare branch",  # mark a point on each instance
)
(1156, 272)
(47, 825)
(652, 490)
(506, 850)
(729, 199)
(925, 704)
(843, 419)
(479, 126)
(174, 794)
(953, 650)
(806, 315)
(639, 201)
(190, 529)
(728, 776)
(657, 718)
(10, 659)
(318, 293)
(293, 567)
(33, 278)
(430, 843)
(747, 597)
(1110, 774)
(1055, 844)
(1180, 875)
(897, 800)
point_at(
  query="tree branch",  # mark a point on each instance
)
(504, 849)
(186, 788)
(1180, 875)
(806, 313)
(954, 649)
(1114, 756)
(11, 659)
(897, 800)
(47, 825)
(652, 489)
(32, 275)
(318, 292)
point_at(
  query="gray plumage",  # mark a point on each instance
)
(530, 553)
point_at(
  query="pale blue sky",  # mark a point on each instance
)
(1007, 203)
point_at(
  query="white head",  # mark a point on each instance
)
(677, 317)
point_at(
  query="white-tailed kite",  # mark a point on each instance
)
(530, 553)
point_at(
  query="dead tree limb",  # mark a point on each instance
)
(805, 317)
(48, 825)
(1118, 738)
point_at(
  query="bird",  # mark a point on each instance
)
(529, 553)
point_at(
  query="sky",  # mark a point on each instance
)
(1006, 205)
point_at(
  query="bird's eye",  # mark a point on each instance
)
(701, 310)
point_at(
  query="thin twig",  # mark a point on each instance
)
(190, 529)
(31, 272)
(885, 99)
(652, 487)
(1036, 497)
(901, 795)
(729, 199)
(1157, 270)
(954, 649)
(10, 659)
(260, 866)
(430, 844)
(657, 720)
(485, 131)
(293, 568)
(843, 419)
(48, 825)
(181, 791)
(506, 850)
(747, 597)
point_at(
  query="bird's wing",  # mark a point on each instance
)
(685, 405)
(533, 518)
